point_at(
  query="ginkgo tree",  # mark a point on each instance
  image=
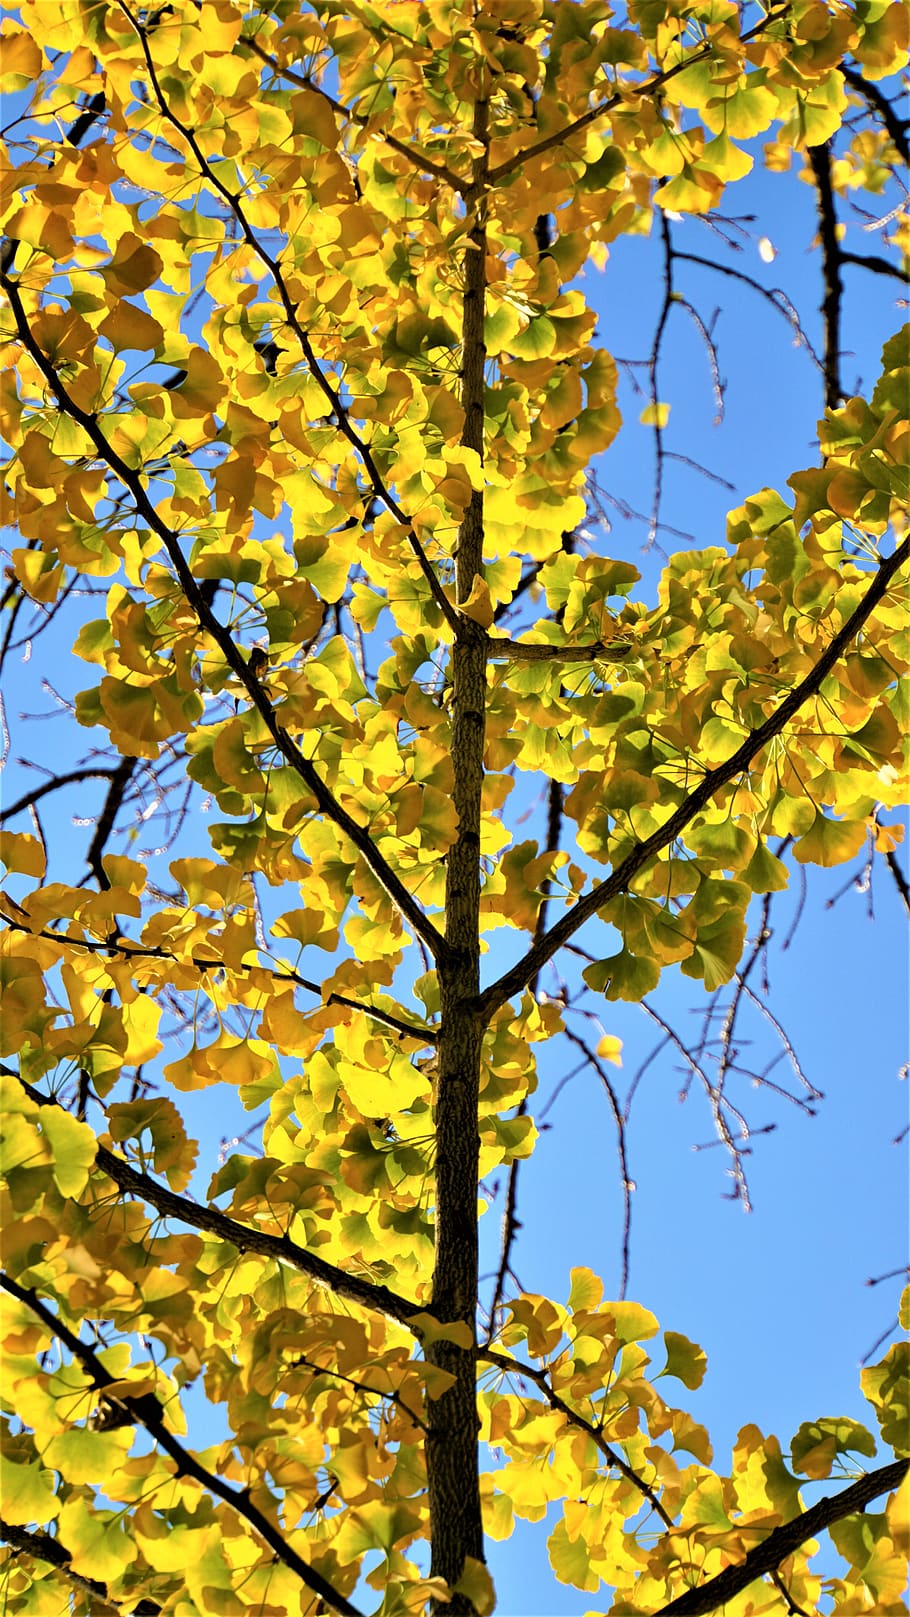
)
(300, 378)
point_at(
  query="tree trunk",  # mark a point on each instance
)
(452, 1454)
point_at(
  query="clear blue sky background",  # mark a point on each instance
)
(778, 1299)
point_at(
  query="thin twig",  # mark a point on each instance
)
(517, 1367)
(718, 1102)
(122, 948)
(619, 1119)
(55, 784)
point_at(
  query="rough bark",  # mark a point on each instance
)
(452, 1448)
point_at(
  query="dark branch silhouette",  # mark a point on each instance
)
(146, 1410)
(897, 127)
(113, 802)
(36, 793)
(832, 261)
(41, 1547)
(766, 1557)
(246, 1238)
(512, 981)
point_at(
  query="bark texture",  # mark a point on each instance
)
(452, 1449)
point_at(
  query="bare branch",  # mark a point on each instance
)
(774, 295)
(517, 1367)
(54, 785)
(877, 266)
(718, 1102)
(653, 365)
(510, 1221)
(832, 260)
(120, 779)
(900, 880)
(619, 1120)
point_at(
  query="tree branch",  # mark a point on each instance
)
(139, 951)
(832, 261)
(359, 444)
(418, 160)
(146, 1410)
(517, 1367)
(774, 295)
(246, 1238)
(41, 1547)
(650, 87)
(120, 779)
(896, 127)
(524, 651)
(518, 976)
(35, 795)
(766, 1557)
(237, 662)
(876, 266)
(900, 880)
(594, 1061)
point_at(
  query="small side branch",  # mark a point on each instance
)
(41, 1547)
(900, 880)
(517, 1367)
(278, 1248)
(543, 949)
(145, 1410)
(653, 366)
(774, 295)
(594, 1061)
(30, 798)
(766, 1557)
(120, 779)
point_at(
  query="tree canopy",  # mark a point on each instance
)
(302, 397)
